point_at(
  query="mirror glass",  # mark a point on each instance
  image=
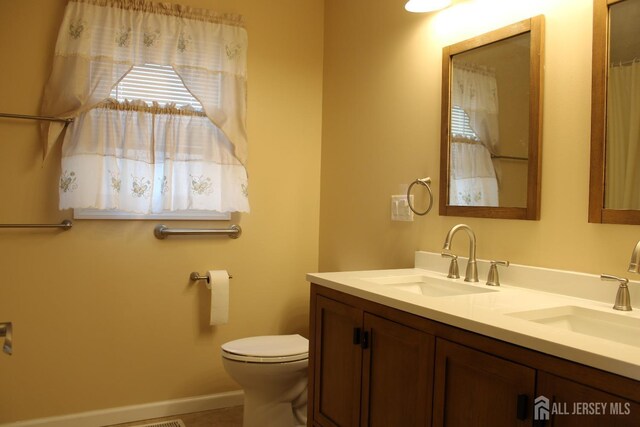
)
(615, 126)
(491, 122)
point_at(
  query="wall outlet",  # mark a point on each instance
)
(400, 210)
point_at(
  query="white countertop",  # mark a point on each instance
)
(488, 313)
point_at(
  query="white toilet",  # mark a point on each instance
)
(272, 370)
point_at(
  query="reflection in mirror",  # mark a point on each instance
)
(615, 127)
(491, 124)
(622, 189)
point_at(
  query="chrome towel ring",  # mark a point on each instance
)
(425, 182)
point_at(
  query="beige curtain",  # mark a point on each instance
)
(622, 181)
(100, 40)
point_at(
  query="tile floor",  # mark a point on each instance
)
(225, 417)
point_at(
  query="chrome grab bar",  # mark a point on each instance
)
(162, 231)
(65, 225)
(30, 117)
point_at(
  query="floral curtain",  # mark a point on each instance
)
(116, 156)
(473, 180)
(623, 137)
(146, 166)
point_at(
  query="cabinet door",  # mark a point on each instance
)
(573, 404)
(473, 388)
(337, 369)
(397, 374)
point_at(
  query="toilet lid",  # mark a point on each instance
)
(268, 348)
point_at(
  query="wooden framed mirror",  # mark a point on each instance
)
(614, 186)
(491, 126)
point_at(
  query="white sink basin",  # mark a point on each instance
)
(429, 286)
(609, 326)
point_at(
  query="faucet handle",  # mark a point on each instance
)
(623, 299)
(493, 279)
(454, 272)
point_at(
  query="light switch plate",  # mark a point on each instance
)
(400, 210)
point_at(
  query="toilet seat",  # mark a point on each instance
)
(267, 349)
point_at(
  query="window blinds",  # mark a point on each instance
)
(154, 83)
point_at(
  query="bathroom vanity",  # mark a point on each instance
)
(413, 348)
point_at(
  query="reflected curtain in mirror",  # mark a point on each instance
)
(474, 135)
(622, 190)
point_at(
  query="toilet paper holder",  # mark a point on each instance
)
(195, 276)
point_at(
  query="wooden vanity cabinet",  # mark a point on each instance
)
(337, 363)
(368, 370)
(397, 370)
(473, 388)
(372, 365)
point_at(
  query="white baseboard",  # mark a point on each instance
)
(125, 414)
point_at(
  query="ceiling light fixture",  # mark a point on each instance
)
(421, 6)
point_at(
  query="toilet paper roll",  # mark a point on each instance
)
(218, 282)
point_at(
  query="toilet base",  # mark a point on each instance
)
(264, 411)
(275, 395)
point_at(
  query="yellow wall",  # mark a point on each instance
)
(381, 129)
(104, 315)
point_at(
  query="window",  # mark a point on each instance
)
(185, 215)
(154, 83)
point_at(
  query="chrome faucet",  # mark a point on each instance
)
(471, 274)
(634, 263)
